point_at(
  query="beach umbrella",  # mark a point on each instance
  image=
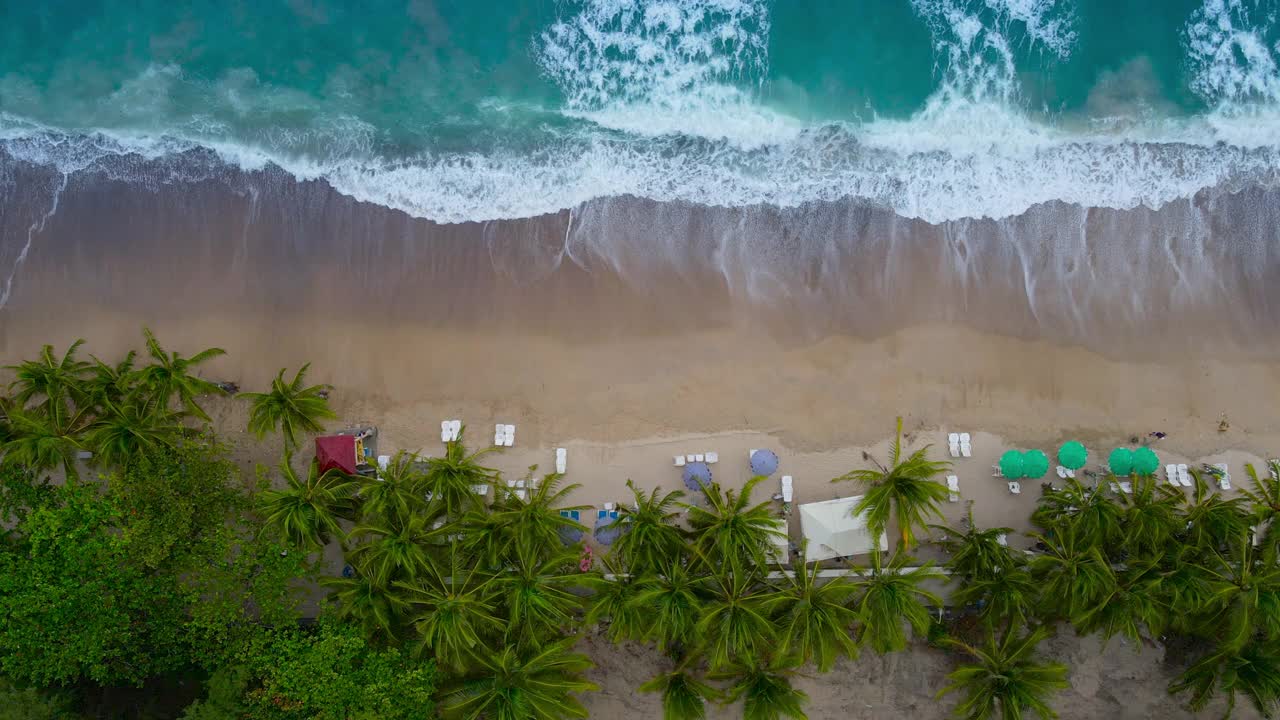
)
(1145, 461)
(764, 462)
(1121, 462)
(607, 529)
(1034, 464)
(697, 475)
(570, 535)
(1011, 464)
(1072, 455)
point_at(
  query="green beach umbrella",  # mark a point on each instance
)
(1072, 455)
(1011, 464)
(1034, 464)
(1121, 461)
(1145, 461)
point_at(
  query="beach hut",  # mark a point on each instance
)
(1073, 455)
(1121, 462)
(1034, 464)
(697, 475)
(764, 462)
(1145, 461)
(336, 452)
(831, 530)
(1011, 464)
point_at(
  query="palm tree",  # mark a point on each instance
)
(1252, 671)
(1150, 515)
(532, 526)
(892, 599)
(457, 611)
(1006, 679)
(684, 696)
(538, 595)
(1073, 574)
(368, 603)
(1093, 516)
(130, 428)
(764, 687)
(904, 490)
(170, 374)
(530, 683)
(111, 383)
(55, 381)
(1246, 588)
(291, 407)
(730, 531)
(451, 479)
(975, 553)
(813, 619)
(672, 602)
(1135, 601)
(1213, 522)
(394, 547)
(1185, 588)
(1005, 598)
(398, 491)
(40, 442)
(650, 534)
(616, 603)
(306, 512)
(734, 626)
(1265, 498)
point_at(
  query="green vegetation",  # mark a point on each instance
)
(169, 575)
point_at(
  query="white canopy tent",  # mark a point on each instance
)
(832, 531)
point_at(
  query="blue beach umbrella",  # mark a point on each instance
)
(697, 475)
(764, 462)
(607, 529)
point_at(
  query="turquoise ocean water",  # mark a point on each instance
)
(459, 110)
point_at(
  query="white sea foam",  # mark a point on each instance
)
(670, 118)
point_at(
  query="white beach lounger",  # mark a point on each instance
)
(1071, 473)
(1114, 488)
(1126, 487)
(510, 432)
(1224, 479)
(499, 434)
(1003, 539)
(788, 491)
(562, 460)
(966, 448)
(1062, 472)
(446, 431)
(699, 457)
(953, 444)
(679, 461)
(1015, 487)
(996, 471)
(457, 429)
(1184, 475)
(691, 458)
(713, 458)
(1171, 474)
(953, 485)
(608, 506)
(482, 489)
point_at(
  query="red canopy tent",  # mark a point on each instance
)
(337, 451)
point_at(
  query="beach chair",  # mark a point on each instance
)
(679, 461)
(788, 490)
(996, 471)
(562, 460)
(1003, 539)
(1071, 473)
(1223, 475)
(1062, 472)
(1184, 476)
(699, 457)
(1115, 488)
(953, 486)
(966, 448)
(713, 458)
(510, 431)
(608, 506)
(1015, 487)
(953, 444)
(691, 458)
(446, 431)
(1171, 474)
(602, 514)
(383, 461)
(481, 489)
(1126, 487)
